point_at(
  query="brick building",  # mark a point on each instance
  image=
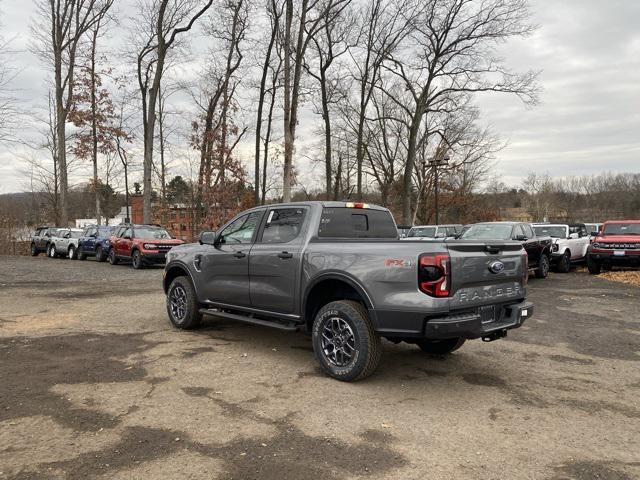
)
(177, 217)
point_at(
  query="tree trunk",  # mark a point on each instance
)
(288, 137)
(408, 169)
(263, 81)
(94, 124)
(327, 132)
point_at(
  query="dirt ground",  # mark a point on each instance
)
(95, 383)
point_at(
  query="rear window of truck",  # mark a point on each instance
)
(343, 222)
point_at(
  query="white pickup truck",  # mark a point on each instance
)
(570, 243)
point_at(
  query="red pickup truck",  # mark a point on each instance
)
(141, 245)
(616, 244)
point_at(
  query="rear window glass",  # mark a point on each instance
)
(342, 222)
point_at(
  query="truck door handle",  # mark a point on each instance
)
(284, 255)
(239, 254)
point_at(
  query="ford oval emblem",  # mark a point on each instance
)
(496, 266)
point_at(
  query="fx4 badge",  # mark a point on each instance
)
(496, 266)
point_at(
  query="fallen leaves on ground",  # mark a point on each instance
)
(627, 276)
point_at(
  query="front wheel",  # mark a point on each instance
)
(344, 341)
(34, 250)
(564, 265)
(100, 257)
(51, 251)
(72, 253)
(113, 259)
(182, 304)
(440, 347)
(594, 267)
(543, 266)
(136, 260)
(81, 255)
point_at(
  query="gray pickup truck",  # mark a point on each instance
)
(339, 271)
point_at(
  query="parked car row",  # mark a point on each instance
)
(139, 245)
(552, 246)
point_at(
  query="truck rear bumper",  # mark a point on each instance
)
(480, 323)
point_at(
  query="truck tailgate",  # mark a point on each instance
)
(486, 272)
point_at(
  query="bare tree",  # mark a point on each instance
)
(452, 50)
(62, 26)
(274, 11)
(162, 22)
(309, 18)
(328, 45)
(8, 105)
(383, 25)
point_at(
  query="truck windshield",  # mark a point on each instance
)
(622, 229)
(149, 232)
(488, 231)
(422, 232)
(551, 231)
(343, 222)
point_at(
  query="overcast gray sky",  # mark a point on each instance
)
(588, 121)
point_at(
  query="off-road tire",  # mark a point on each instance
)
(100, 256)
(440, 347)
(594, 267)
(543, 266)
(136, 260)
(182, 287)
(368, 345)
(81, 255)
(34, 250)
(51, 251)
(564, 264)
(72, 253)
(113, 259)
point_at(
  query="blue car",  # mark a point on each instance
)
(95, 242)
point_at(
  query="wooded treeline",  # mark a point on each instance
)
(243, 100)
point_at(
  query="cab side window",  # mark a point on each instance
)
(242, 229)
(283, 225)
(127, 233)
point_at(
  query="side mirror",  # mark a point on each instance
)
(208, 237)
(127, 237)
(67, 235)
(573, 236)
(521, 238)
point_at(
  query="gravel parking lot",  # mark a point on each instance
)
(94, 382)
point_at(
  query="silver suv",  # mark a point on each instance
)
(64, 243)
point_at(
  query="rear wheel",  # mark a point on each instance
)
(72, 253)
(594, 267)
(440, 347)
(182, 304)
(564, 264)
(100, 256)
(51, 251)
(113, 259)
(34, 250)
(344, 341)
(543, 266)
(136, 260)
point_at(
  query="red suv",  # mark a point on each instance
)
(141, 245)
(617, 244)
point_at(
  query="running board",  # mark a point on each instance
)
(289, 327)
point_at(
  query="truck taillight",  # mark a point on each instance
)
(434, 274)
